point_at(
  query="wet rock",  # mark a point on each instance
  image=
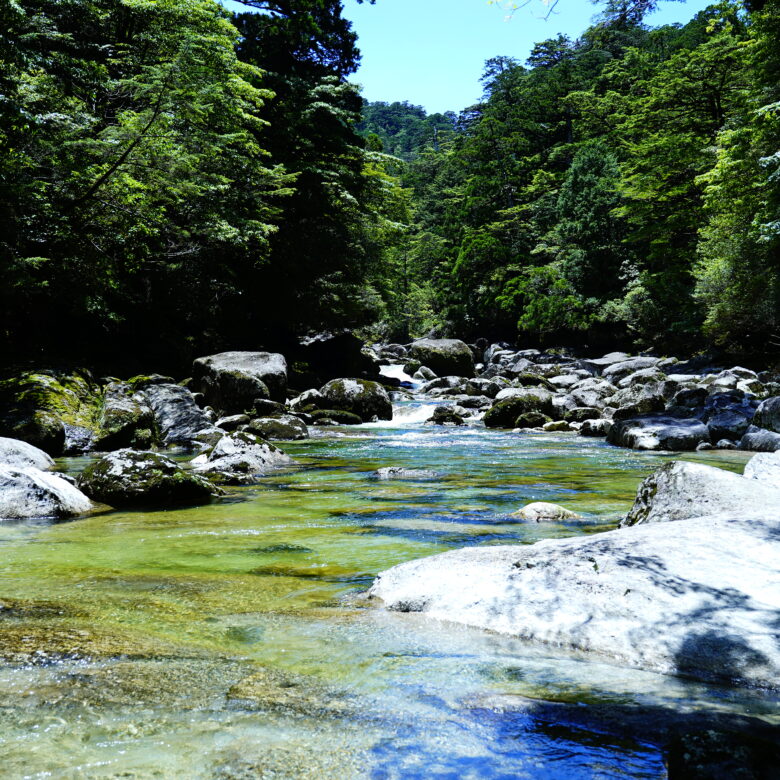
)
(679, 490)
(424, 374)
(444, 356)
(396, 472)
(20, 454)
(658, 432)
(543, 512)
(335, 417)
(557, 426)
(78, 439)
(264, 407)
(510, 404)
(240, 458)
(307, 401)
(596, 428)
(27, 492)
(364, 398)
(446, 415)
(179, 419)
(231, 381)
(132, 478)
(532, 420)
(582, 413)
(282, 428)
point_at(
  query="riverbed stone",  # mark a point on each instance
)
(27, 492)
(444, 356)
(596, 428)
(126, 419)
(366, 399)
(544, 512)
(231, 381)
(21, 454)
(132, 478)
(400, 473)
(240, 458)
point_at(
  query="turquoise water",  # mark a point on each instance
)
(230, 641)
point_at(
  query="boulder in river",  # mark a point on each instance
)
(760, 440)
(680, 490)
(444, 356)
(27, 492)
(446, 415)
(231, 381)
(240, 458)
(283, 427)
(133, 478)
(690, 598)
(362, 397)
(658, 432)
(510, 404)
(126, 419)
(543, 512)
(179, 419)
(20, 454)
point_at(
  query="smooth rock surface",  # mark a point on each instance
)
(179, 419)
(658, 432)
(760, 440)
(280, 428)
(231, 381)
(20, 454)
(27, 492)
(765, 467)
(359, 396)
(444, 356)
(679, 490)
(543, 512)
(700, 597)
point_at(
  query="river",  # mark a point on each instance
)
(246, 650)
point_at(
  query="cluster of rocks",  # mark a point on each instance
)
(228, 412)
(642, 402)
(686, 586)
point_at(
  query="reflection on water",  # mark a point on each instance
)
(228, 641)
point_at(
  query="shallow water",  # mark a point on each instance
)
(245, 652)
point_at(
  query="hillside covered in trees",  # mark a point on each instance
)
(176, 180)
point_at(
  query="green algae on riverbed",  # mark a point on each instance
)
(240, 613)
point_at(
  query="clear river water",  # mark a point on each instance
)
(230, 640)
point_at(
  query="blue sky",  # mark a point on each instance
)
(431, 52)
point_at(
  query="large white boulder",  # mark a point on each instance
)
(765, 467)
(27, 492)
(700, 597)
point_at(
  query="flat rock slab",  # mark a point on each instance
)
(700, 597)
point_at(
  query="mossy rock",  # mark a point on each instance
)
(532, 420)
(341, 418)
(412, 367)
(36, 405)
(359, 396)
(131, 478)
(505, 412)
(534, 380)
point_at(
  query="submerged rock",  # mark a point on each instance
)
(444, 356)
(396, 472)
(542, 512)
(28, 492)
(132, 478)
(240, 458)
(20, 454)
(362, 397)
(231, 381)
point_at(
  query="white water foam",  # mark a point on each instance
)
(396, 371)
(410, 414)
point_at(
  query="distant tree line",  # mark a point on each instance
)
(624, 186)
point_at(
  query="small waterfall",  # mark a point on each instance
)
(396, 371)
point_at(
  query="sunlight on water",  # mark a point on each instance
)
(229, 641)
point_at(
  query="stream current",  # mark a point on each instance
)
(230, 641)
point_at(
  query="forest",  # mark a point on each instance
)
(176, 179)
